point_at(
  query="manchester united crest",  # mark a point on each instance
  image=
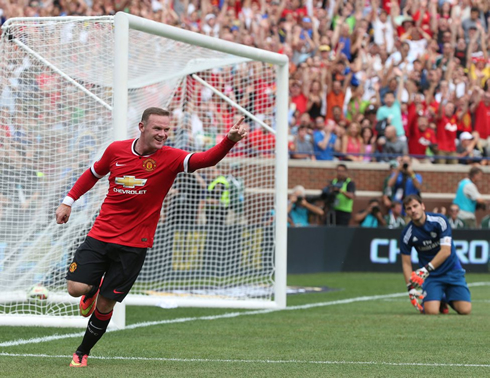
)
(73, 267)
(149, 165)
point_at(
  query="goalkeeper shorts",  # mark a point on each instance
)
(452, 284)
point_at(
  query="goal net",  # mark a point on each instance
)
(69, 87)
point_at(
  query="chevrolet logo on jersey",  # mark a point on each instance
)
(130, 181)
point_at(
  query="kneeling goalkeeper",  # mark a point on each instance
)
(440, 279)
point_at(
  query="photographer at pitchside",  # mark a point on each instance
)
(339, 198)
(299, 209)
(404, 181)
(371, 216)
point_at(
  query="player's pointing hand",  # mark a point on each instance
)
(238, 131)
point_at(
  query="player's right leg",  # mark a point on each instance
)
(85, 273)
(434, 293)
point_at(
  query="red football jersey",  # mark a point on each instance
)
(137, 187)
(446, 133)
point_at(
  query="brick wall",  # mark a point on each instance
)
(370, 177)
(439, 182)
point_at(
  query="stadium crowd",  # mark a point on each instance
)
(370, 80)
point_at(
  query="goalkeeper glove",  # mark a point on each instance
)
(416, 297)
(418, 277)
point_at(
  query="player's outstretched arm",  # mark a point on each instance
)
(215, 154)
(237, 131)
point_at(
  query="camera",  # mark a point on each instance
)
(375, 210)
(299, 200)
(405, 165)
(329, 193)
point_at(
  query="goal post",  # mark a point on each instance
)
(79, 83)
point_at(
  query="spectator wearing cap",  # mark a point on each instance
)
(324, 52)
(324, 141)
(469, 150)
(210, 26)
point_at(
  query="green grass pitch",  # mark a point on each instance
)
(330, 334)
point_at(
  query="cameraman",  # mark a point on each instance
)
(299, 208)
(404, 181)
(371, 216)
(339, 197)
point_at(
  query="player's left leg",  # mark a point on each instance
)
(126, 263)
(458, 293)
(97, 326)
(462, 307)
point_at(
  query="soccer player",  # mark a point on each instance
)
(141, 172)
(440, 278)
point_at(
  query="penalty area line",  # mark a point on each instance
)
(249, 361)
(228, 315)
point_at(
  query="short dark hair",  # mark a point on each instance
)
(474, 171)
(157, 111)
(410, 198)
(342, 166)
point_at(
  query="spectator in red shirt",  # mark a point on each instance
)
(481, 109)
(298, 97)
(420, 138)
(447, 126)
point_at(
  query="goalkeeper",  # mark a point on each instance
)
(141, 172)
(440, 278)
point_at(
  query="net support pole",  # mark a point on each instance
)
(281, 184)
(120, 113)
(120, 80)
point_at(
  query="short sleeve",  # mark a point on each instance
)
(405, 245)
(103, 166)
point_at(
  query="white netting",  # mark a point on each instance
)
(56, 103)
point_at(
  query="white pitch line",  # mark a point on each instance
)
(228, 315)
(163, 359)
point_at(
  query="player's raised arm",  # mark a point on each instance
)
(237, 131)
(215, 154)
